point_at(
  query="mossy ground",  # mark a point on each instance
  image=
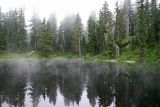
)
(127, 55)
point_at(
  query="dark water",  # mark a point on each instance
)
(51, 83)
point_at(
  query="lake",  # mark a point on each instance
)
(58, 83)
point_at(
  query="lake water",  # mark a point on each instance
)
(57, 83)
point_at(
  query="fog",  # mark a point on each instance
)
(73, 83)
(60, 7)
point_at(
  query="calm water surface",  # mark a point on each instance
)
(53, 83)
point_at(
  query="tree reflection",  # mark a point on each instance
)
(139, 88)
(12, 86)
(43, 83)
(131, 85)
(100, 85)
(71, 82)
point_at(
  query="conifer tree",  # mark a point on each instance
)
(3, 33)
(21, 33)
(92, 42)
(61, 39)
(142, 29)
(77, 36)
(12, 30)
(104, 31)
(117, 31)
(45, 42)
(158, 25)
(153, 18)
(52, 22)
(34, 32)
(68, 24)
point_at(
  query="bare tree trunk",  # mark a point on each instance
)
(79, 46)
(35, 44)
(127, 25)
(126, 17)
(117, 47)
(117, 51)
(63, 42)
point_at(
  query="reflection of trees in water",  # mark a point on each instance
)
(91, 85)
(134, 85)
(12, 87)
(43, 83)
(100, 84)
(139, 88)
(71, 82)
(149, 95)
(69, 77)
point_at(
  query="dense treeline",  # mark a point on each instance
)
(132, 28)
(13, 34)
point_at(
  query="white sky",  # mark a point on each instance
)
(60, 7)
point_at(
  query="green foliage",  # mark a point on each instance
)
(3, 34)
(3, 39)
(68, 25)
(13, 34)
(35, 27)
(142, 27)
(130, 34)
(158, 25)
(77, 36)
(21, 32)
(92, 43)
(52, 31)
(104, 28)
(129, 55)
(83, 45)
(45, 41)
(61, 39)
(152, 55)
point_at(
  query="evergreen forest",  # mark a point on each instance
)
(131, 32)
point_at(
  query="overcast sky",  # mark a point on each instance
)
(59, 7)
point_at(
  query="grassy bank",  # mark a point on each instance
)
(150, 55)
(126, 56)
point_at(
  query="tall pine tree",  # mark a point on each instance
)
(52, 22)
(104, 31)
(35, 27)
(142, 29)
(61, 39)
(77, 36)
(92, 42)
(21, 33)
(3, 33)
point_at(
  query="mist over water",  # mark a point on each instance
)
(57, 83)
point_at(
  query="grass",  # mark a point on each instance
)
(127, 55)
(151, 55)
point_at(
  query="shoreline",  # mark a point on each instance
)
(36, 56)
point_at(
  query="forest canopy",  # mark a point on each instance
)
(131, 31)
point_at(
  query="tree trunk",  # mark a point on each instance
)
(117, 51)
(79, 46)
(127, 27)
(63, 43)
(35, 44)
(126, 17)
(142, 52)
